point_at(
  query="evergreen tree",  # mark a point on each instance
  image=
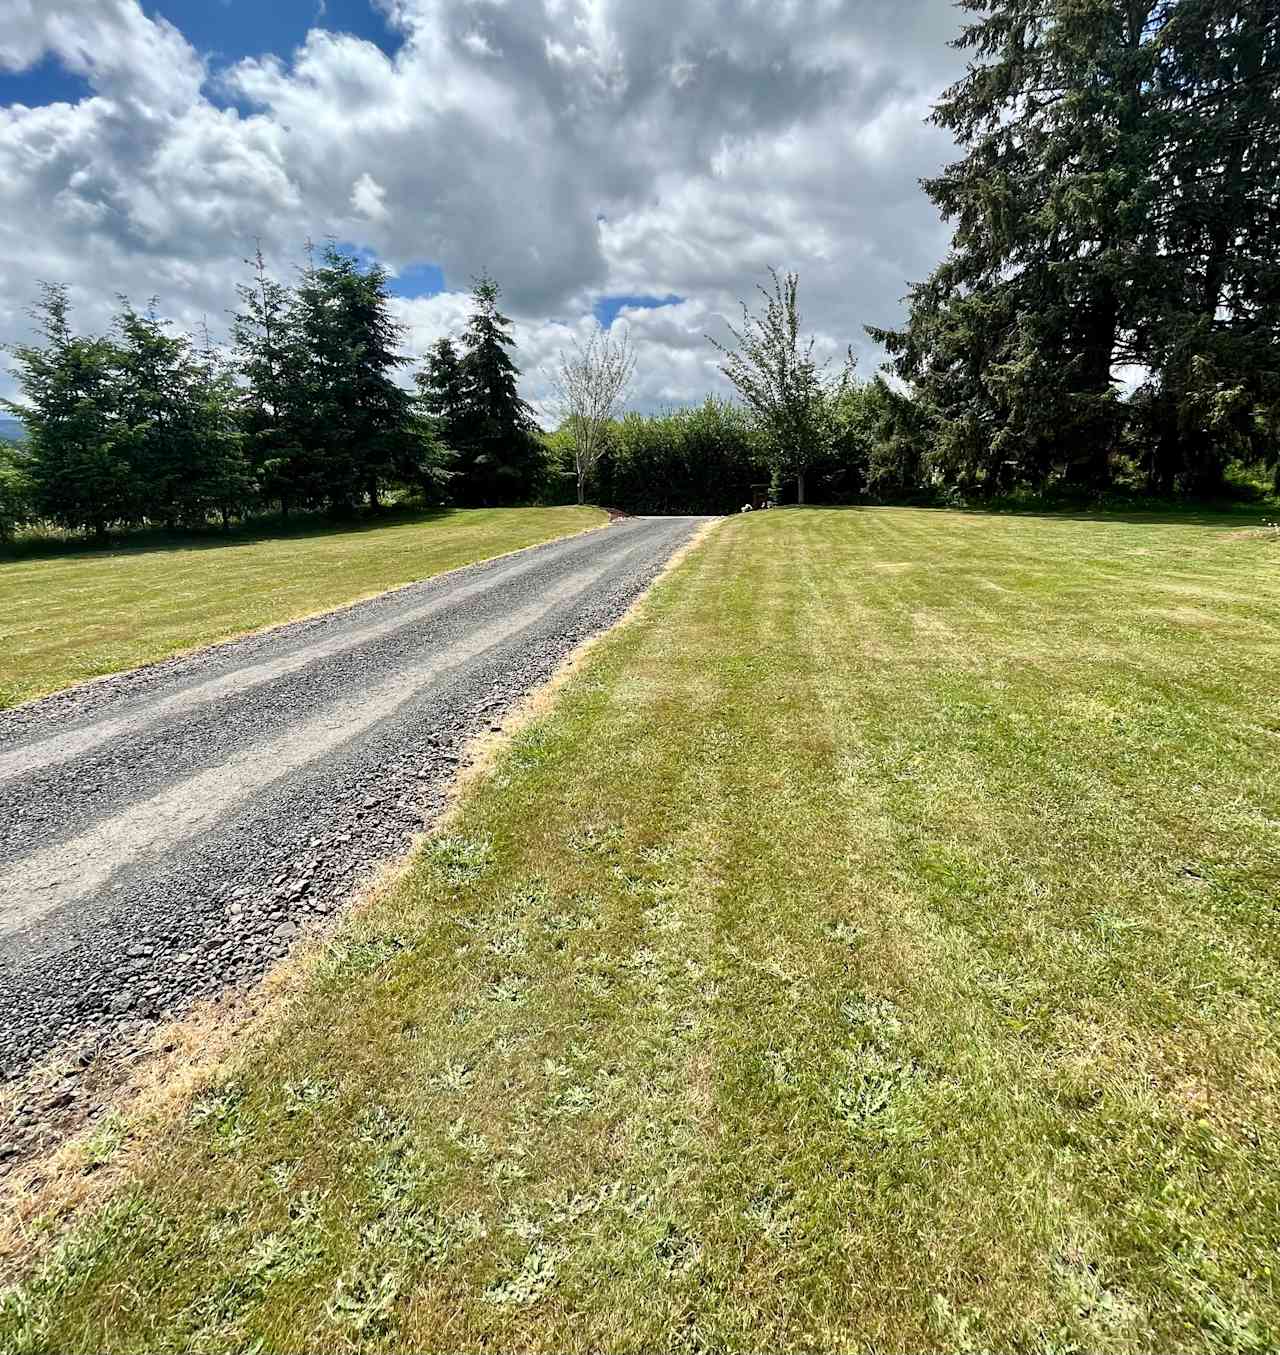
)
(499, 455)
(1013, 339)
(176, 424)
(151, 372)
(1211, 331)
(437, 419)
(80, 467)
(440, 384)
(355, 420)
(442, 389)
(266, 360)
(1114, 207)
(325, 420)
(898, 437)
(224, 484)
(430, 474)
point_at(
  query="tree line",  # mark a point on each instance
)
(715, 457)
(305, 412)
(1108, 314)
(146, 426)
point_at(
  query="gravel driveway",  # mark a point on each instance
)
(166, 832)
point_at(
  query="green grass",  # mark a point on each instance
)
(874, 948)
(68, 617)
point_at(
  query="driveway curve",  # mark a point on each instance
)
(166, 833)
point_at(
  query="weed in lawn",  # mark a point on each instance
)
(99, 1146)
(454, 1077)
(677, 1251)
(282, 1175)
(872, 1096)
(508, 991)
(27, 1311)
(537, 1273)
(346, 956)
(220, 1114)
(306, 1094)
(459, 860)
(959, 1330)
(773, 1215)
(473, 1145)
(362, 1304)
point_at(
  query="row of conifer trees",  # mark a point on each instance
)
(148, 426)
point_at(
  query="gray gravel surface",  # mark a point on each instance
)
(171, 831)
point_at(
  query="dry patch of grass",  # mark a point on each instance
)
(806, 977)
(67, 618)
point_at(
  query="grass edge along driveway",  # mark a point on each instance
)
(874, 947)
(69, 617)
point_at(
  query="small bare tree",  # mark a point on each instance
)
(776, 375)
(590, 387)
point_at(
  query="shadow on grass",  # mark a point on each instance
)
(274, 528)
(1224, 514)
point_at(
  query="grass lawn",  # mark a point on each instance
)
(874, 948)
(69, 617)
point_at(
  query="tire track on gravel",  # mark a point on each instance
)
(169, 832)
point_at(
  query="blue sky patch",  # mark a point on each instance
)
(226, 31)
(364, 256)
(608, 307)
(419, 279)
(47, 82)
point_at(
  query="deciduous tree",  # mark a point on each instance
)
(590, 387)
(773, 369)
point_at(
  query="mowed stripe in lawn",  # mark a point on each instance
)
(874, 947)
(71, 617)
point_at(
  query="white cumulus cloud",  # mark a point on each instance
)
(576, 149)
(369, 198)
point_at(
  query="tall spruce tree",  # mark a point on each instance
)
(177, 429)
(357, 419)
(224, 484)
(1098, 227)
(326, 422)
(439, 415)
(499, 456)
(1210, 335)
(266, 358)
(442, 388)
(80, 470)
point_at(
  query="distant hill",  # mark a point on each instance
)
(11, 428)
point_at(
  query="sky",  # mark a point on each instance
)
(621, 162)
